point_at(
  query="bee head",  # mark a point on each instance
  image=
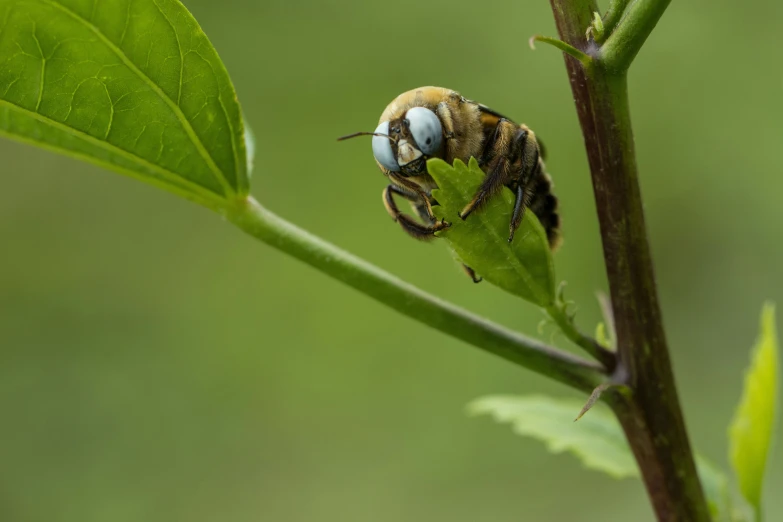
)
(404, 144)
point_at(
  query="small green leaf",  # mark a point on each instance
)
(596, 439)
(524, 267)
(716, 489)
(131, 85)
(598, 26)
(750, 432)
(601, 337)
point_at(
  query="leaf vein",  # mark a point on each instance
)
(179, 48)
(127, 22)
(43, 70)
(164, 173)
(230, 126)
(111, 112)
(513, 261)
(216, 172)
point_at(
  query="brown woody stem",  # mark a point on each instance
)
(648, 409)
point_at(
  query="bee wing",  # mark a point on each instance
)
(489, 112)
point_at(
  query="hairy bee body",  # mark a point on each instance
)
(507, 152)
(433, 122)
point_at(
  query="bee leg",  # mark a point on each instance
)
(422, 205)
(512, 154)
(471, 273)
(447, 121)
(498, 154)
(421, 210)
(523, 197)
(413, 193)
(412, 227)
(492, 184)
(527, 155)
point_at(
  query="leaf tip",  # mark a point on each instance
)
(436, 162)
(751, 429)
(768, 315)
(480, 406)
(532, 42)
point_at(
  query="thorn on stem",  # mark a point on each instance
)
(593, 398)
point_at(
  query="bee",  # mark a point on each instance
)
(433, 122)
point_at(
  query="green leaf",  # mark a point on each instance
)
(596, 439)
(597, 26)
(601, 337)
(131, 85)
(716, 488)
(524, 267)
(750, 432)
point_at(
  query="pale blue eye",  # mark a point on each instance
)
(425, 128)
(381, 148)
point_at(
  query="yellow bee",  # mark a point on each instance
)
(433, 122)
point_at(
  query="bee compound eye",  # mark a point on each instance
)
(426, 129)
(381, 148)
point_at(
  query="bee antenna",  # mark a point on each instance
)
(343, 138)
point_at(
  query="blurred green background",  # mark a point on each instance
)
(159, 365)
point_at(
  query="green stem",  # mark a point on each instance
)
(606, 357)
(625, 41)
(568, 369)
(613, 16)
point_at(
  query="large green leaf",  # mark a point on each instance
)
(750, 432)
(132, 85)
(524, 267)
(596, 439)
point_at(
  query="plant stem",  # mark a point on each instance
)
(613, 16)
(625, 41)
(649, 411)
(568, 369)
(606, 357)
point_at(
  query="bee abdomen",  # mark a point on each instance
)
(544, 205)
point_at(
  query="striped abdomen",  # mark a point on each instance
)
(544, 205)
